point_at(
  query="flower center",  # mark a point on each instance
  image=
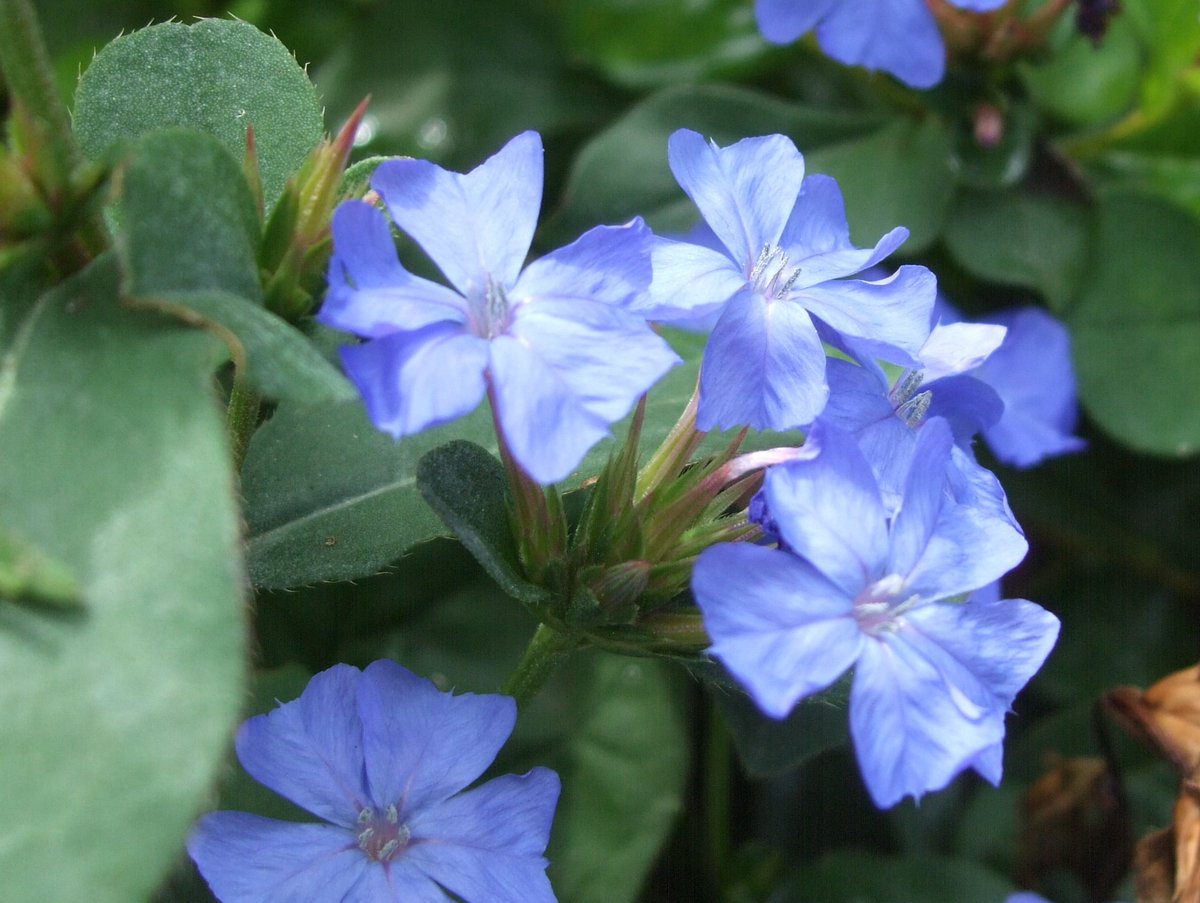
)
(381, 835)
(909, 404)
(770, 276)
(490, 313)
(878, 609)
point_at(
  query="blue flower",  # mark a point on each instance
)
(1032, 374)
(899, 37)
(775, 277)
(381, 755)
(850, 586)
(884, 415)
(555, 345)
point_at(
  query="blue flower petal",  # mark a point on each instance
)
(478, 226)
(779, 626)
(967, 403)
(817, 237)
(421, 745)
(250, 859)
(857, 395)
(745, 191)
(486, 845)
(817, 224)
(605, 357)
(1032, 374)
(955, 348)
(607, 264)
(689, 280)
(310, 749)
(924, 496)
(828, 510)
(413, 380)
(914, 729)
(1003, 643)
(890, 313)
(978, 6)
(764, 367)
(899, 37)
(782, 21)
(976, 540)
(567, 370)
(370, 293)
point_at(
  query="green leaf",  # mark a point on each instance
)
(114, 721)
(855, 877)
(187, 218)
(623, 769)
(329, 497)
(1172, 176)
(622, 172)
(1082, 84)
(466, 485)
(280, 361)
(650, 43)
(454, 88)
(217, 76)
(899, 175)
(1136, 326)
(188, 241)
(768, 747)
(1016, 238)
(1170, 35)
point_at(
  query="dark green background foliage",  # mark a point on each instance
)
(119, 700)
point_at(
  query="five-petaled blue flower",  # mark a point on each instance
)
(899, 37)
(382, 756)
(777, 281)
(555, 346)
(851, 586)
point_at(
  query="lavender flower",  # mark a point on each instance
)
(381, 755)
(556, 344)
(851, 586)
(777, 280)
(899, 37)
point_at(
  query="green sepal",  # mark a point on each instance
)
(467, 488)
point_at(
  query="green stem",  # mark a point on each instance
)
(26, 67)
(241, 418)
(545, 652)
(680, 630)
(717, 763)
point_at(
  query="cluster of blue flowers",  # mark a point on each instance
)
(884, 538)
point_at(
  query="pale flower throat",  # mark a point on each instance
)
(381, 835)
(769, 276)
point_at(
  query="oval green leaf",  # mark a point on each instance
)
(329, 497)
(115, 718)
(1018, 238)
(217, 76)
(1136, 326)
